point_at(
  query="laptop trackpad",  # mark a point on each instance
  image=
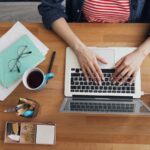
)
(107, 53)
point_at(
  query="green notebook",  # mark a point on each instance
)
(17, 58)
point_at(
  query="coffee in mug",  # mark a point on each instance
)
(35, 79)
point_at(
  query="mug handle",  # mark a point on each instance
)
(49, 76)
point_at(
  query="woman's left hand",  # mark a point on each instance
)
(127, 67)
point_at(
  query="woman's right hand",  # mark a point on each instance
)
(89, 63)
(87, 59)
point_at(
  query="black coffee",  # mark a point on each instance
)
(35, 79)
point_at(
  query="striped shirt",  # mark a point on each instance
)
(106, 11)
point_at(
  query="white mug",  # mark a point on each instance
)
(35, 79)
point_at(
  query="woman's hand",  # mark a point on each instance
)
(127, 67)
(89, 63)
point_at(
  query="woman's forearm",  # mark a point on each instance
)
(62, 28)
(144, 48)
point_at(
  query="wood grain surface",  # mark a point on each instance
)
(82, 131)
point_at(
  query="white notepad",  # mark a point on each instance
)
(45, 134)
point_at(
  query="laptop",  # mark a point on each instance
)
(109, 98)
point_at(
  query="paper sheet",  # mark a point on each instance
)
(45, 134)
(10, 37)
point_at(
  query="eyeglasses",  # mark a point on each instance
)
(14, 65)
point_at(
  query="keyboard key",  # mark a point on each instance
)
(75, 74)
(82, 75)
(108, 83)
(103, 83)
(87, 87)
(77, 83)
(123, 88)
(71, 80)
(80, 79)
(73, 87)
(96, 87)
(105, 87)
(108, 70)
(78, 87)
(85, 83)
(128, 88)
(92, 87)
(100, 87)
(114, 88)
(75, 78)
(81, 83)
(77, 70)
(83, 87)
(72, 69)
(133, 88)
(106, 79)
(110, 87)
(90, 83)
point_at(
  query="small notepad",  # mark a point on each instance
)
(16, 56)
(45, 134)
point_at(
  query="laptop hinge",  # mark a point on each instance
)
(102, 98)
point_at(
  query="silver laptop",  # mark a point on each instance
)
(87, 97)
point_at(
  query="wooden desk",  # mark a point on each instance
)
(81, 131)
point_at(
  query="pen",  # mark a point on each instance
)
(51, 62)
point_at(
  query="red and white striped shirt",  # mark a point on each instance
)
(106, 11)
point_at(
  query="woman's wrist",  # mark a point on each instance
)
(142, 52)
(79, 47)
(144, 49)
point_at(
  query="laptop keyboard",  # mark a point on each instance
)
(79, 83)
(101, 107)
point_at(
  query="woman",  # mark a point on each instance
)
(102, 11)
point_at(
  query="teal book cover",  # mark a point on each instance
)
(17, 58)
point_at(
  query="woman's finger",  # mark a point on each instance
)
(122, 75)
(94, 71)
(90, 73)
(126, 77)
(99, 71)
(102, 60)
(133, 78)
(118, 71)
(85, 73)
(119, 62)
